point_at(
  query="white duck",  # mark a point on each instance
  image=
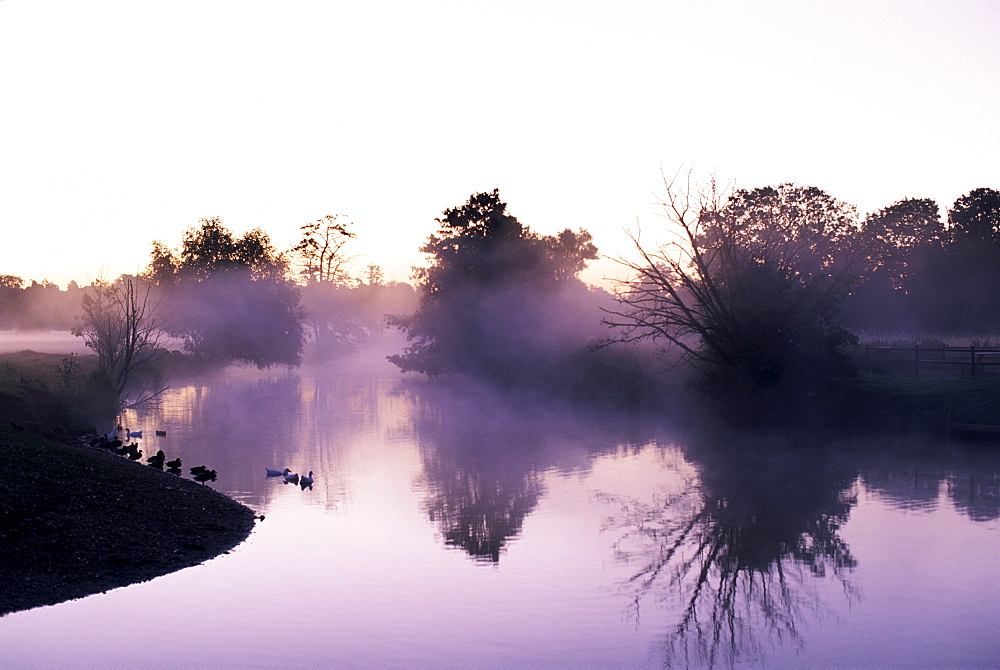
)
(277, 473)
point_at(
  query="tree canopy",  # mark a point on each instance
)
(228, 297)
(493, 295)
(748, 288)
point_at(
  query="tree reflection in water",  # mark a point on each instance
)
(734, 552)
(478, 510)
(484, 458)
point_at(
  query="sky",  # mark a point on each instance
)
(126, 122)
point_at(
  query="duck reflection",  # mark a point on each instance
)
(738, 548)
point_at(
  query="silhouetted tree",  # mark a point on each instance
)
(10, 300)
(974, 219)
(748, 290)
(904, 240)
(962, 285)
(901, 236)
(328, 297)
(122, 326)
(229, 297)
(320, 253)
(494, 295)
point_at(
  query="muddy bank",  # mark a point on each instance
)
(75, 520)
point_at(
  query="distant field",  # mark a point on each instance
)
(42, 341)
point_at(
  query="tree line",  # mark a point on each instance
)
(760, 291)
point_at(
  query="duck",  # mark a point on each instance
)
(198, 469)
(157, 460)
(136, 433)
(306, 480)
(277, 473)
(174, 464)
(292, 478)
(207, 475)
(135, 454)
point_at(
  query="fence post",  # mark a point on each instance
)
(916, 359)
(972, 359)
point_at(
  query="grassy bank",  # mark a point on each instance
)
(923, 402)
(50, 394)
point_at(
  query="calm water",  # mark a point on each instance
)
(456, 531)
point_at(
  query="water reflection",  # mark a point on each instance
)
(730, 555)
(484, 461)
(735, 550)
(976, 494)
(478, 508)
(968, 479)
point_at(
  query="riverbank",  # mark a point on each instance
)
(76, 520)
(925, 403)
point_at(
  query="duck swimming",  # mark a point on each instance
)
(292, 478)
(277, 473)
(305, 481)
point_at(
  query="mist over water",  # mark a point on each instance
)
(451, 527)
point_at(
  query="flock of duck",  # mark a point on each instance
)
(200, 473)
(289, 477)
(113, 443)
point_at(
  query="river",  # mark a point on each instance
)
(450, 529)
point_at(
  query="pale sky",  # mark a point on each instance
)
(126, 122)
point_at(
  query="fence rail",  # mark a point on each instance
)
(974, 361)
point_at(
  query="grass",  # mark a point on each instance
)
(905, 402)
(45, 391)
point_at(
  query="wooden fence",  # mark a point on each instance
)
(974, 361)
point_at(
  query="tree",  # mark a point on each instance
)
(974, 219)
(320, 252)
(493, 295)
(961, 286)
(10, 300)
(904, 241)
(331, 304)
(121, 325)
(747, 290)
(900, 236)
(230, 299)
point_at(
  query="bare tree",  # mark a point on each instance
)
(746, 288)
(120, 324)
